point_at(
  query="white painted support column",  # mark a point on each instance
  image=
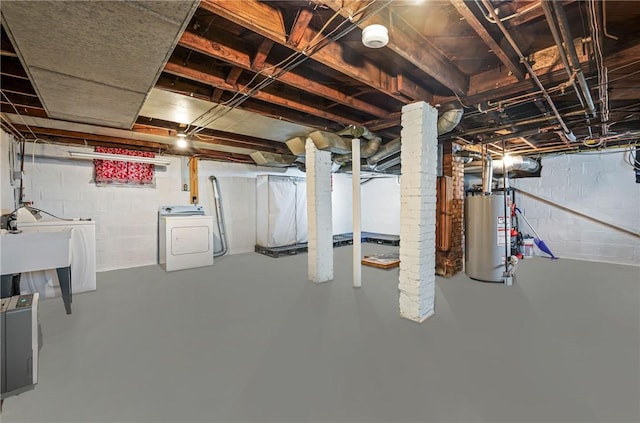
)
(357, 232)
(320, 227)
(419, 154)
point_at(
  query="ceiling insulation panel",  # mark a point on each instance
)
(95, 62)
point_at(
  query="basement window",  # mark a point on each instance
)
(124, 173)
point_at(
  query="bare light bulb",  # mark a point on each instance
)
(182, 143)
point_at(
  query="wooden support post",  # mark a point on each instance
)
(193, 179)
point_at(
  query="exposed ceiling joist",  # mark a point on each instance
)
(299, 26)
(533, 12)
(507, 58)
(240, 59)
(487, 86)
(232, 76)
(261, 55)
(267, 21)
(205, 78)
(412, 46)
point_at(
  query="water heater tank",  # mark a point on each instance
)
(485, 225)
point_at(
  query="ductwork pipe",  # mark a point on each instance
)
(487, 175)
(367, 149)
(375, 153)
(449, 120)
(385, 151)
(512, 163)
(388, 163)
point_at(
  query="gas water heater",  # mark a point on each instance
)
(487, 235)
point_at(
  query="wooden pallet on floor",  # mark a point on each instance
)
(375, 238)
(287, 250)
(342, 239)
(382, 261)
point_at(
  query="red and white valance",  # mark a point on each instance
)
(121, 172)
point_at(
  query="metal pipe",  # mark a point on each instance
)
(507, 221)
(604, 22)
(387, 163)
(357, 241)
(565, 31)
(548, 13)
(530, 70)
(487, 175)
(217, 199)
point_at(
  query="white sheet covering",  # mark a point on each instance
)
(281, 210)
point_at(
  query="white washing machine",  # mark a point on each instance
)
(185, 237)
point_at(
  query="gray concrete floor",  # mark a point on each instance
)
(251, 340)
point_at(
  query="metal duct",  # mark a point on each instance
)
(446, 122)
(263, 158)
(384, 165)
(449, 120)
(369, 148)
(385, 151)
(328, 141)
(297, 145)
(487, 175)
(519, 163)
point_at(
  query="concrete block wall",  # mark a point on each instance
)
(127, 217)
(238, 188)
(601, 185)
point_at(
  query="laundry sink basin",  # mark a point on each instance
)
(30, 251)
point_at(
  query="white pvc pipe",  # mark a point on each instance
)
(357, 232)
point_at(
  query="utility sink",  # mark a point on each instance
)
(30, 251)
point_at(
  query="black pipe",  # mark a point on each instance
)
(563, 24)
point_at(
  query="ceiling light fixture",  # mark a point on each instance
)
(120, 157)
(181, 134)
(375, 36)
(182, 143)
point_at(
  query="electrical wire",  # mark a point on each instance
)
(13, 106)
(294, 60)
(50, 214)
(240, 96)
